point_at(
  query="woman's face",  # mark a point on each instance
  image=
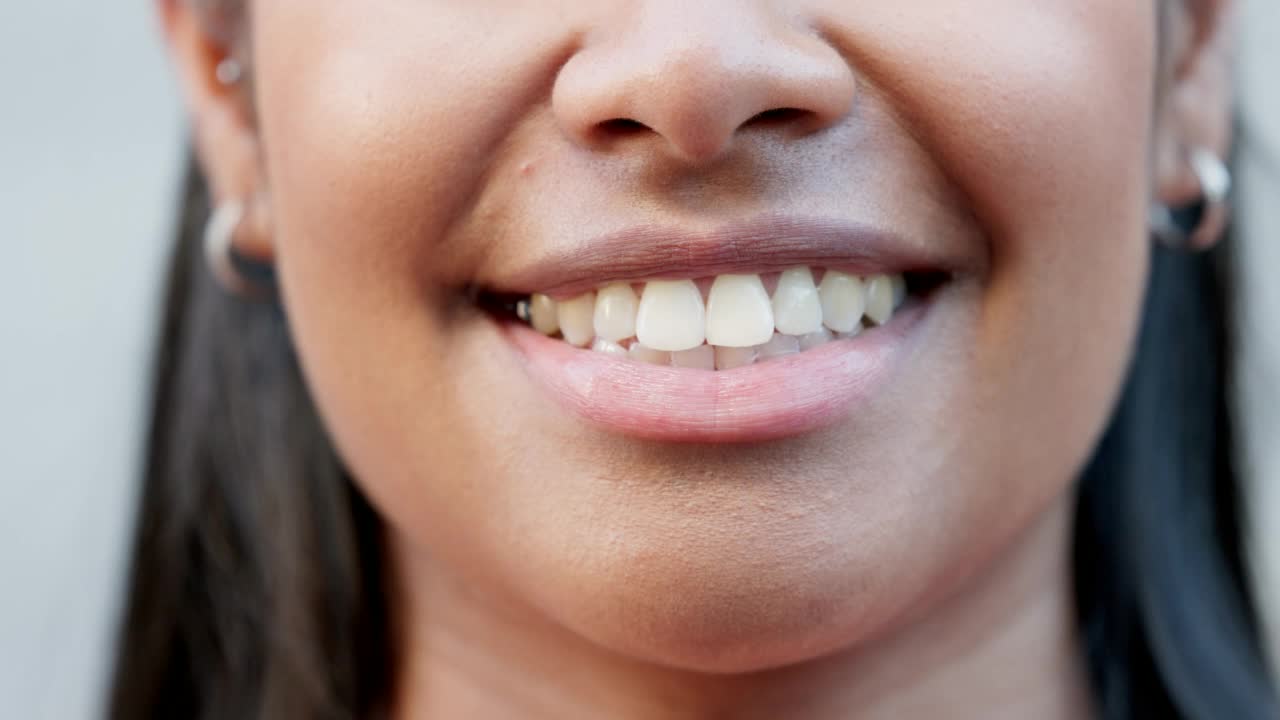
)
(418, 150)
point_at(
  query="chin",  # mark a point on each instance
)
(735, 594)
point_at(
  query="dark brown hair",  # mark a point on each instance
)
(258, 584)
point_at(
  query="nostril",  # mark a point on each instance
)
(621, 127)
(777, 116)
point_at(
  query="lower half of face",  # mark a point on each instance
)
(909, 234)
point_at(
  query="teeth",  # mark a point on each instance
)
(779, 346)
(542, 314)
(702, 357)
(880, 299)
(738, 325)
(739, 313)
(671, 316)
(648, 355)
(728, 358)
(615, 316)
(843, 299)
(899, 290)
(796, 307)
(608, 347)
(813, 340)
(575, 316)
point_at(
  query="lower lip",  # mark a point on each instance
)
(771, 400)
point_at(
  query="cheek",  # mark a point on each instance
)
(1039, 108)
(1065, 195)
(379, 127)
(377, 132)
(1040, 113)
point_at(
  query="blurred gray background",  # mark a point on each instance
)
(90, 144)
(90, 139)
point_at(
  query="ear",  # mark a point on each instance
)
(221, 115)
(1197, 97)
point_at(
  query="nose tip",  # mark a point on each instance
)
(693, 90)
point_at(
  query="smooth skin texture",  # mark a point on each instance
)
(910, 562)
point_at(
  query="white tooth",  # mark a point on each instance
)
(608, 347)
(576, 319)
(879, 299)
(899, 290)
(671, 316)
(843, 300)
(779, 346)
(729, 358)
(796, 308)
(702, 357)
(739, 313)
(615, 317)
(855, 332)
(542, 314)
(648, 355)
(813, 340)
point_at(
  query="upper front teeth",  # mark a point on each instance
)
(669, 322)
(671, 316)
(739, 313)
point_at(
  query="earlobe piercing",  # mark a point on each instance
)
(229, 71)
(236, 275)
(219, 234)
(1195, 226)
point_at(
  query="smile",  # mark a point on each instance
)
(736, 342)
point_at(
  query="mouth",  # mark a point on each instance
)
(754, 333)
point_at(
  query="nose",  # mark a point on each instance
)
(690, 75)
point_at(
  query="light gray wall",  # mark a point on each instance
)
(1258, 364)
(89, 145)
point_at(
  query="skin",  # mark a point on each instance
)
(907, 562)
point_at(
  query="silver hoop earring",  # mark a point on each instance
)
(1194, 226)
(236, 275)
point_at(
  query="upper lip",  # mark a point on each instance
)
(760, 245)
